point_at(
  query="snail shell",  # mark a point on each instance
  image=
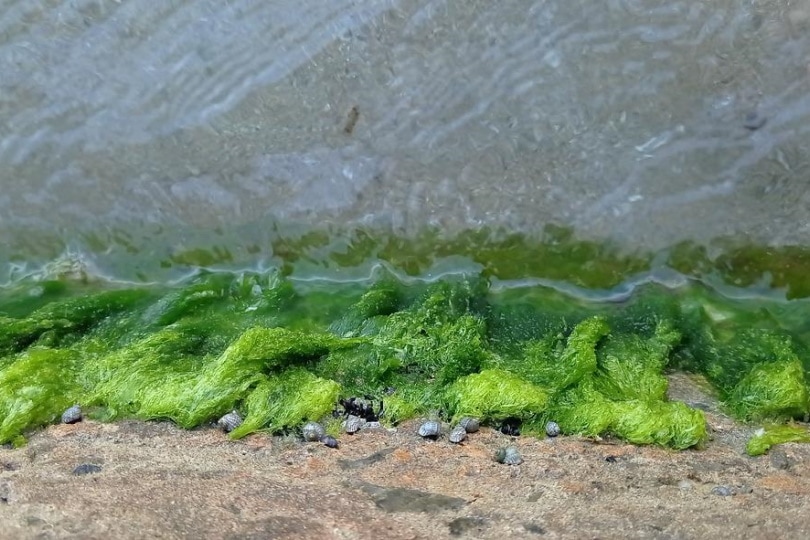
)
(458, 434)
(353, 424)
(72, 415)
(372, 425)
(329, 441)
(313, 431)
(552, 429)
(470, 424)
(430, 429)
(230, 421)
(508, 456)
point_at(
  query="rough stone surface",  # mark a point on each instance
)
(160, 481)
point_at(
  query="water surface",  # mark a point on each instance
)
(131, 131)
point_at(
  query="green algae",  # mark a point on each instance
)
(35, 389)
(147, 383)
(493, 395)
(767, 437)
(282, 354)
(285, 400)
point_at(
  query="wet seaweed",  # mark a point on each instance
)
(282, 355)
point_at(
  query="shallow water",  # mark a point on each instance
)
(134, 131)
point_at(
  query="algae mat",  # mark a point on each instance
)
(283, 353)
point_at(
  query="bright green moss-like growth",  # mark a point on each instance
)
(35, 389)
(191, 391)
(584, 410)
(765, 438)
(631, 367)
(382, 299)
(285, 400)
(550, 364)
(774, 390)
(57, 321)
(758, 372)
(437, 339)
(282, 354)
(495, 395)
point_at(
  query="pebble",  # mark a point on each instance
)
(685, 485)
(312, 431)
(86, 468)
(722, 491)
(457, 435)
(508, 456)
(552, 429)
(72, 415)
(230, 421)
(372, 425)
(779, 459)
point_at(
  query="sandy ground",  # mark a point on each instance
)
(158, 481)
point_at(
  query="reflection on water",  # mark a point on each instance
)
(151, 128)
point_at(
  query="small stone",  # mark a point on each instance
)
(372, 425)
(312, 431)
(552, 429)
(86, 468)
(722, 491)
(72, 415)
(230, 421)
(779, 459)
(685, 485)
(745, 489)
(457, 434)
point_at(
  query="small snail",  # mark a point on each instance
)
(508, 456)
(230, 421)
(430, 429)
(457, 435)
(470, 424)
(313, 431)
(72, 415)
(353, 424)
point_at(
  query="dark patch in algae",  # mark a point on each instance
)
(282, 355)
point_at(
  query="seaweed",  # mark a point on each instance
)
(283, 354)
(35, 389)
(631, 367)
(774, 390)
(584, 410)
(57, 321)
(764, 438)
(285, 400)
(494, 395)
(551, 364)
(758, 372)
(147, 382)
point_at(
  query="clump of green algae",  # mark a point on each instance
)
(282, 355)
